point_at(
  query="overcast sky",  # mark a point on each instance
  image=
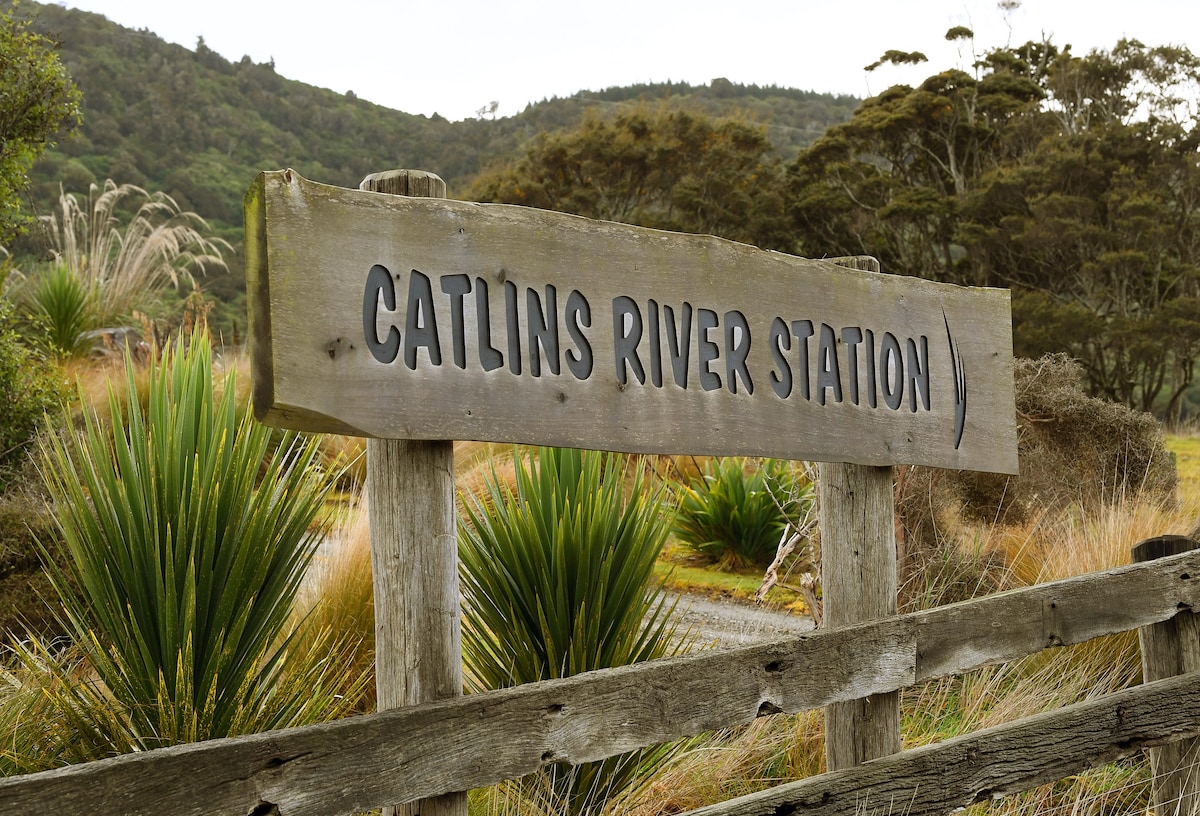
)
(456, 56)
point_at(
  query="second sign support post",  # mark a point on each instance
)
(414, 555)
(859, 582)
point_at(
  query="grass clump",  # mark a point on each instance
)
(557, 579)
(125, 262)
(736, 512)
(187, 534)
(60, 305)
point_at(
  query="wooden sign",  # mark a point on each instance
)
(417, 318)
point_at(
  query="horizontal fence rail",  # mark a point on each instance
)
(993, 762)
(357, 764)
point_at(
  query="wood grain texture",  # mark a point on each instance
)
(414, 557)
(414, 560)
(944, 777)
(357, 764)
(1171, 648)
(415, 570)
(354, 765)
(805, 392)
(858, 583)
(418, 183)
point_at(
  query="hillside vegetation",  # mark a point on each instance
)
(198, 127)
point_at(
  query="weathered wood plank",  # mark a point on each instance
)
(414, 556)
(953, 639)
(1170, 648)
(353, 765)
(361, 763)
(858, 582)
(419, 318)
(994, 762)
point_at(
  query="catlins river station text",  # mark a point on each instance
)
(407, 317)
(416, 319)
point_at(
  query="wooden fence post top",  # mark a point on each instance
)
(1162, 546)
(405, 183)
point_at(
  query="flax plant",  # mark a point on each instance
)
(128, 262)
(557, 579)
(734, 515)
(62, 307)
(188, 534)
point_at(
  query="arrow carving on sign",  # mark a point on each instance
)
(960, 385)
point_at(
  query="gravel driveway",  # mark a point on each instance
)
(726, 624)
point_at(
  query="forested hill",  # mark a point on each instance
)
(199, 127)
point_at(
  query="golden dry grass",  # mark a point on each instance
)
(338, 594)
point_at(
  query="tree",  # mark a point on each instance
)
(669, 170)
(1075, 181)
(1099, 223)
(37, 101)
(891, 182)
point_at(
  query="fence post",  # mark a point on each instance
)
(858, 583)
(1171, 648)
(414, 556)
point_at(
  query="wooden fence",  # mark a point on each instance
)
(360, 763)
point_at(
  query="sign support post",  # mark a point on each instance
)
(859, 583)
(414, 556)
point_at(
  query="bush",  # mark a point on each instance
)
(27, 391)
(1073, 450)
(24, 586)
(557, 579)
(61, 307)
(187, 538)
(736, 513)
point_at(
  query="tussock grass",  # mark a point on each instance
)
(338, 596)
(186, 535)
(125, 264)
(734, 762)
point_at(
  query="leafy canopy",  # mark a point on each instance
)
(37, 100)
(665, 169)
(1070, 179)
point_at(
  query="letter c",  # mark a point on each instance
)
(379, 282)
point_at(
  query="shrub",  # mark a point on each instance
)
(1074, 451)
(557, 579)
(24, 522)
(61, 307)
(187, 536)
(27, 391)
(736, 513)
